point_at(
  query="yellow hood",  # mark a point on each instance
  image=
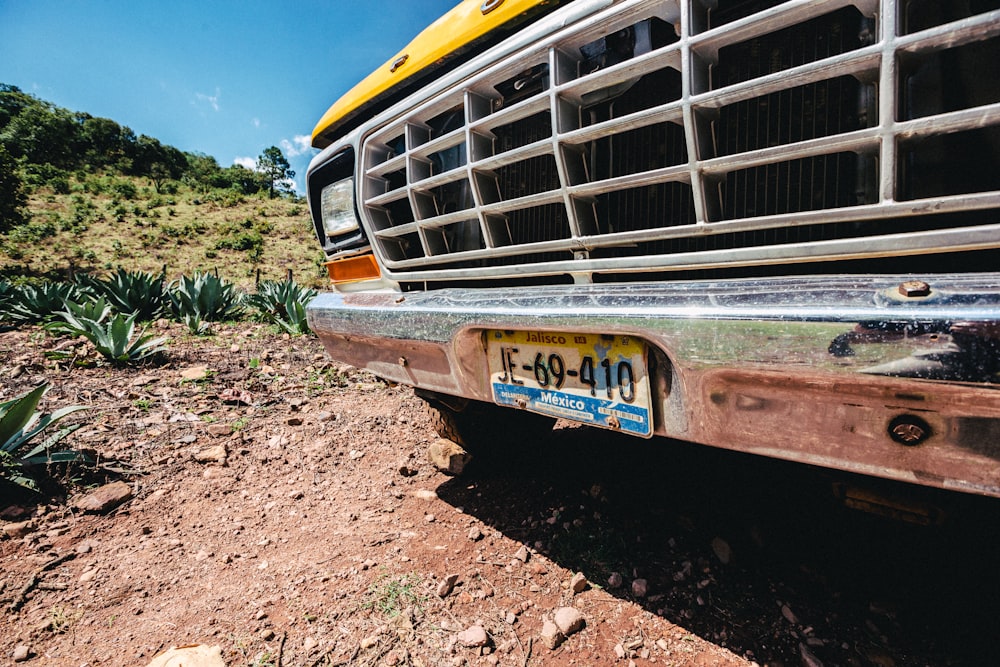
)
(465, 24)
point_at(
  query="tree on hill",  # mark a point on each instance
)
(275, 168)
(12, 199)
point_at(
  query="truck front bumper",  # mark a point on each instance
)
(885, 376)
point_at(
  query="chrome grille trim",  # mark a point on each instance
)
(440, 210)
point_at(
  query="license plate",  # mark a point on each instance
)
(589, 378)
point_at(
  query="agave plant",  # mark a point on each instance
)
(7, 296)
(96, 310)
(113, 337)
(283, 303)
(20, 426)
(204, 298)
(136, 292)
(32, 304)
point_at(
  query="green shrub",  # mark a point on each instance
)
(124, 189)
(248, 241)
(20, 425)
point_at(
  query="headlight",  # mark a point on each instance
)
(337, 207)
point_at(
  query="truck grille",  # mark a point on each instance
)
(660, 136)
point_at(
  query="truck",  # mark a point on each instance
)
(771, 227)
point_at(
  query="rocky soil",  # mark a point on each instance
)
(282, 507)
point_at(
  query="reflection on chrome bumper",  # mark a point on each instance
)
(863, 373)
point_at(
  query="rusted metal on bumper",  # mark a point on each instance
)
(850, 373)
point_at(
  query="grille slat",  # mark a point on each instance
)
(805, 153)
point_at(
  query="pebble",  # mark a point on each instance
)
(448, 456)
(473, 637)
(640, 587)
(722, 550)
(551, 636)
(215, 454)
(21, 653)
(368, 642)
(475, 534)
(18, 530)
(522, 554)
(447, 585)
(569, 620)
(104, 498)
(615, 580)
(578, 583)
(789, 615)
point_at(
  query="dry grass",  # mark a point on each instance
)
(95, 228)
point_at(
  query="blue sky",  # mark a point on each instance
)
(224, 77)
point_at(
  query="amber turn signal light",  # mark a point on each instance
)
(352, 269)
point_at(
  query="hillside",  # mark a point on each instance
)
(98, 222)
(79, 192)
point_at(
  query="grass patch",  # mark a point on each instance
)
(390, 596)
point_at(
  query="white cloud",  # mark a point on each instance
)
(248, 162)
(212, 100)
(300, 144)
(255, 122)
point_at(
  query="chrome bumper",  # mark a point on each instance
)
(883, 376)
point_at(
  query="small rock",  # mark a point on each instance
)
(448, 456)
(196, 655)
(551, 636)
(722, 550)
(569, 620)
(620, 652)
(523, 554)
(640, 587)
(18, 530)
(473, 637)
(475, 534)
(85, 547)
(266, 635)
(219, 430)
(615, 580)
(21, 653)
(294, 421)
(789, 615)
(195, 373)
(355, 454)
(368, 642)
(578, 583)
(88, 576)
(407, 471)
(309, 644)
(447, 585)
(215, 454)
(808, 658)
(104, 498)
(430, 518)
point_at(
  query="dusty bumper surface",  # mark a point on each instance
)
(855, 373)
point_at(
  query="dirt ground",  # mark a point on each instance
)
(283, 508)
